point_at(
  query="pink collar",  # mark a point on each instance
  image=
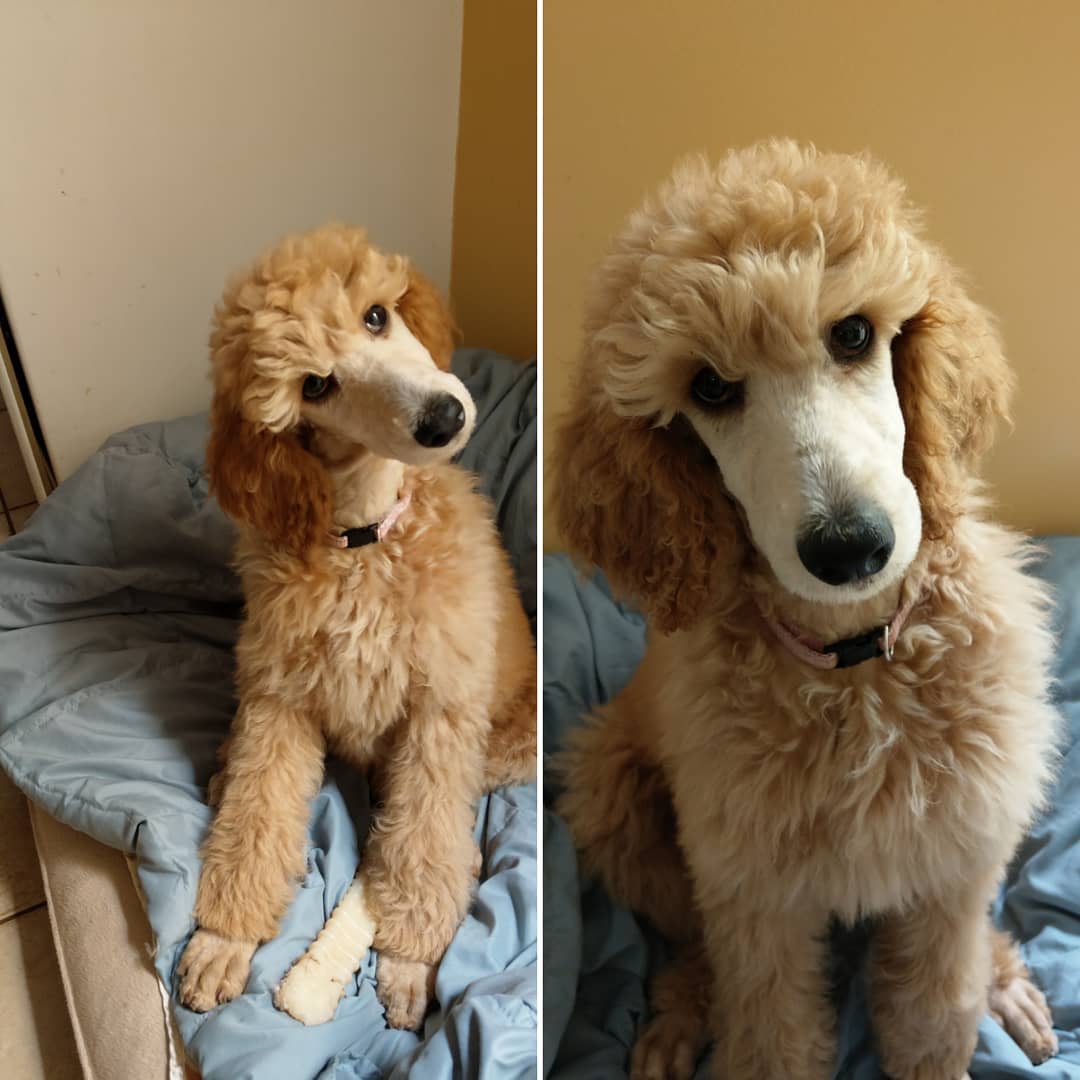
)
(846, 653)
(371, 534)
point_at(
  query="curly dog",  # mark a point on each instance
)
(382, 622)
(843, 710)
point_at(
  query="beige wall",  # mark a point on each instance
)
(150, 148)
(975, 103)
(493, 280)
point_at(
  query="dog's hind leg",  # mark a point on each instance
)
(669, 1045)
(1017, 1005)
(511, 749)
(618, 805)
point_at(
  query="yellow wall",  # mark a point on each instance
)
(493, 269)
(974, 103)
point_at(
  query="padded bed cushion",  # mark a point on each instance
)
(120, 613)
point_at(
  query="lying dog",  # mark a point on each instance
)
(843, 710)
(382, 622)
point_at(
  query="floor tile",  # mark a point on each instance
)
(20, 515)
(14, 480)
(36, 1042)
(20, 878)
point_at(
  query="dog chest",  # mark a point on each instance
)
(336, 644)
(861, 806)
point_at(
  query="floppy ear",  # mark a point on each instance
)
(428, 317)
(645, 504)
(267, 481)
(954, 383)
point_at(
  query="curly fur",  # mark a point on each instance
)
(411, 658)
(894, 790)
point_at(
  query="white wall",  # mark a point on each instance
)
(147, 149)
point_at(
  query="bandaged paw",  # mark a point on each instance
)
(315, 985)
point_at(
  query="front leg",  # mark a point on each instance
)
(930, 975)
(255, 850)
(420, 857)
(771, 1014)
(669, 1045)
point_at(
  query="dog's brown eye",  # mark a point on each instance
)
(712, 391)
(316, 387)
(375, 318)
(851, 338)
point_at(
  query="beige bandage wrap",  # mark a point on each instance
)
(315, 984)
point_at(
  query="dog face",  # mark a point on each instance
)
(798, 408)
(814, 456)
(326, 342)
(776, 363)
(382, 390)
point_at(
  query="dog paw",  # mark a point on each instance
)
(309, 993)
(667, 1048)
(213, 970)
(404, 987)
(1020, 1008)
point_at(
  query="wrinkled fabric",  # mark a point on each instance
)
(598, 957)
(118, 614)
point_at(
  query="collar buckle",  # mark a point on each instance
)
(855, 650)
(361, 536)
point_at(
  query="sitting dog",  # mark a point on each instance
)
(842, 713)
(382, 621)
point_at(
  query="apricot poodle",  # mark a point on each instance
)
(842, 713)
(382, 623)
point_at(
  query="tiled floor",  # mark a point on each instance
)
(17, 500)
(36, 1042)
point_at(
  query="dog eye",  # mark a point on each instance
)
(851, 337)
(316, 387)
(375, 318)
(712, 391)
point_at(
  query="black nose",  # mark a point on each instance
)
(442, 419)
(849, 547)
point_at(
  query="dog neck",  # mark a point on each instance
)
(365, 486)
(834, 622)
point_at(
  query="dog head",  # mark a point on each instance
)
(326, 341)
(775, 361)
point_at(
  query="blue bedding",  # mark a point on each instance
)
(119, 614)
(597, 956)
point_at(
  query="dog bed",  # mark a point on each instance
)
(120, 613)
(597, 956)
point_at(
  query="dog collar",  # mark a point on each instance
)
(363, 535)
(849, 651)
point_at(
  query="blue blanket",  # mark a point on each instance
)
(597, 957)
(119, 614)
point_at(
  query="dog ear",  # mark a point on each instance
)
(954, 384)
(267, 481)
(646, 504)
(428, 318)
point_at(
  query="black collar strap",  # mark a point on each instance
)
(362, 535)
(854, 650)
(848, 652)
